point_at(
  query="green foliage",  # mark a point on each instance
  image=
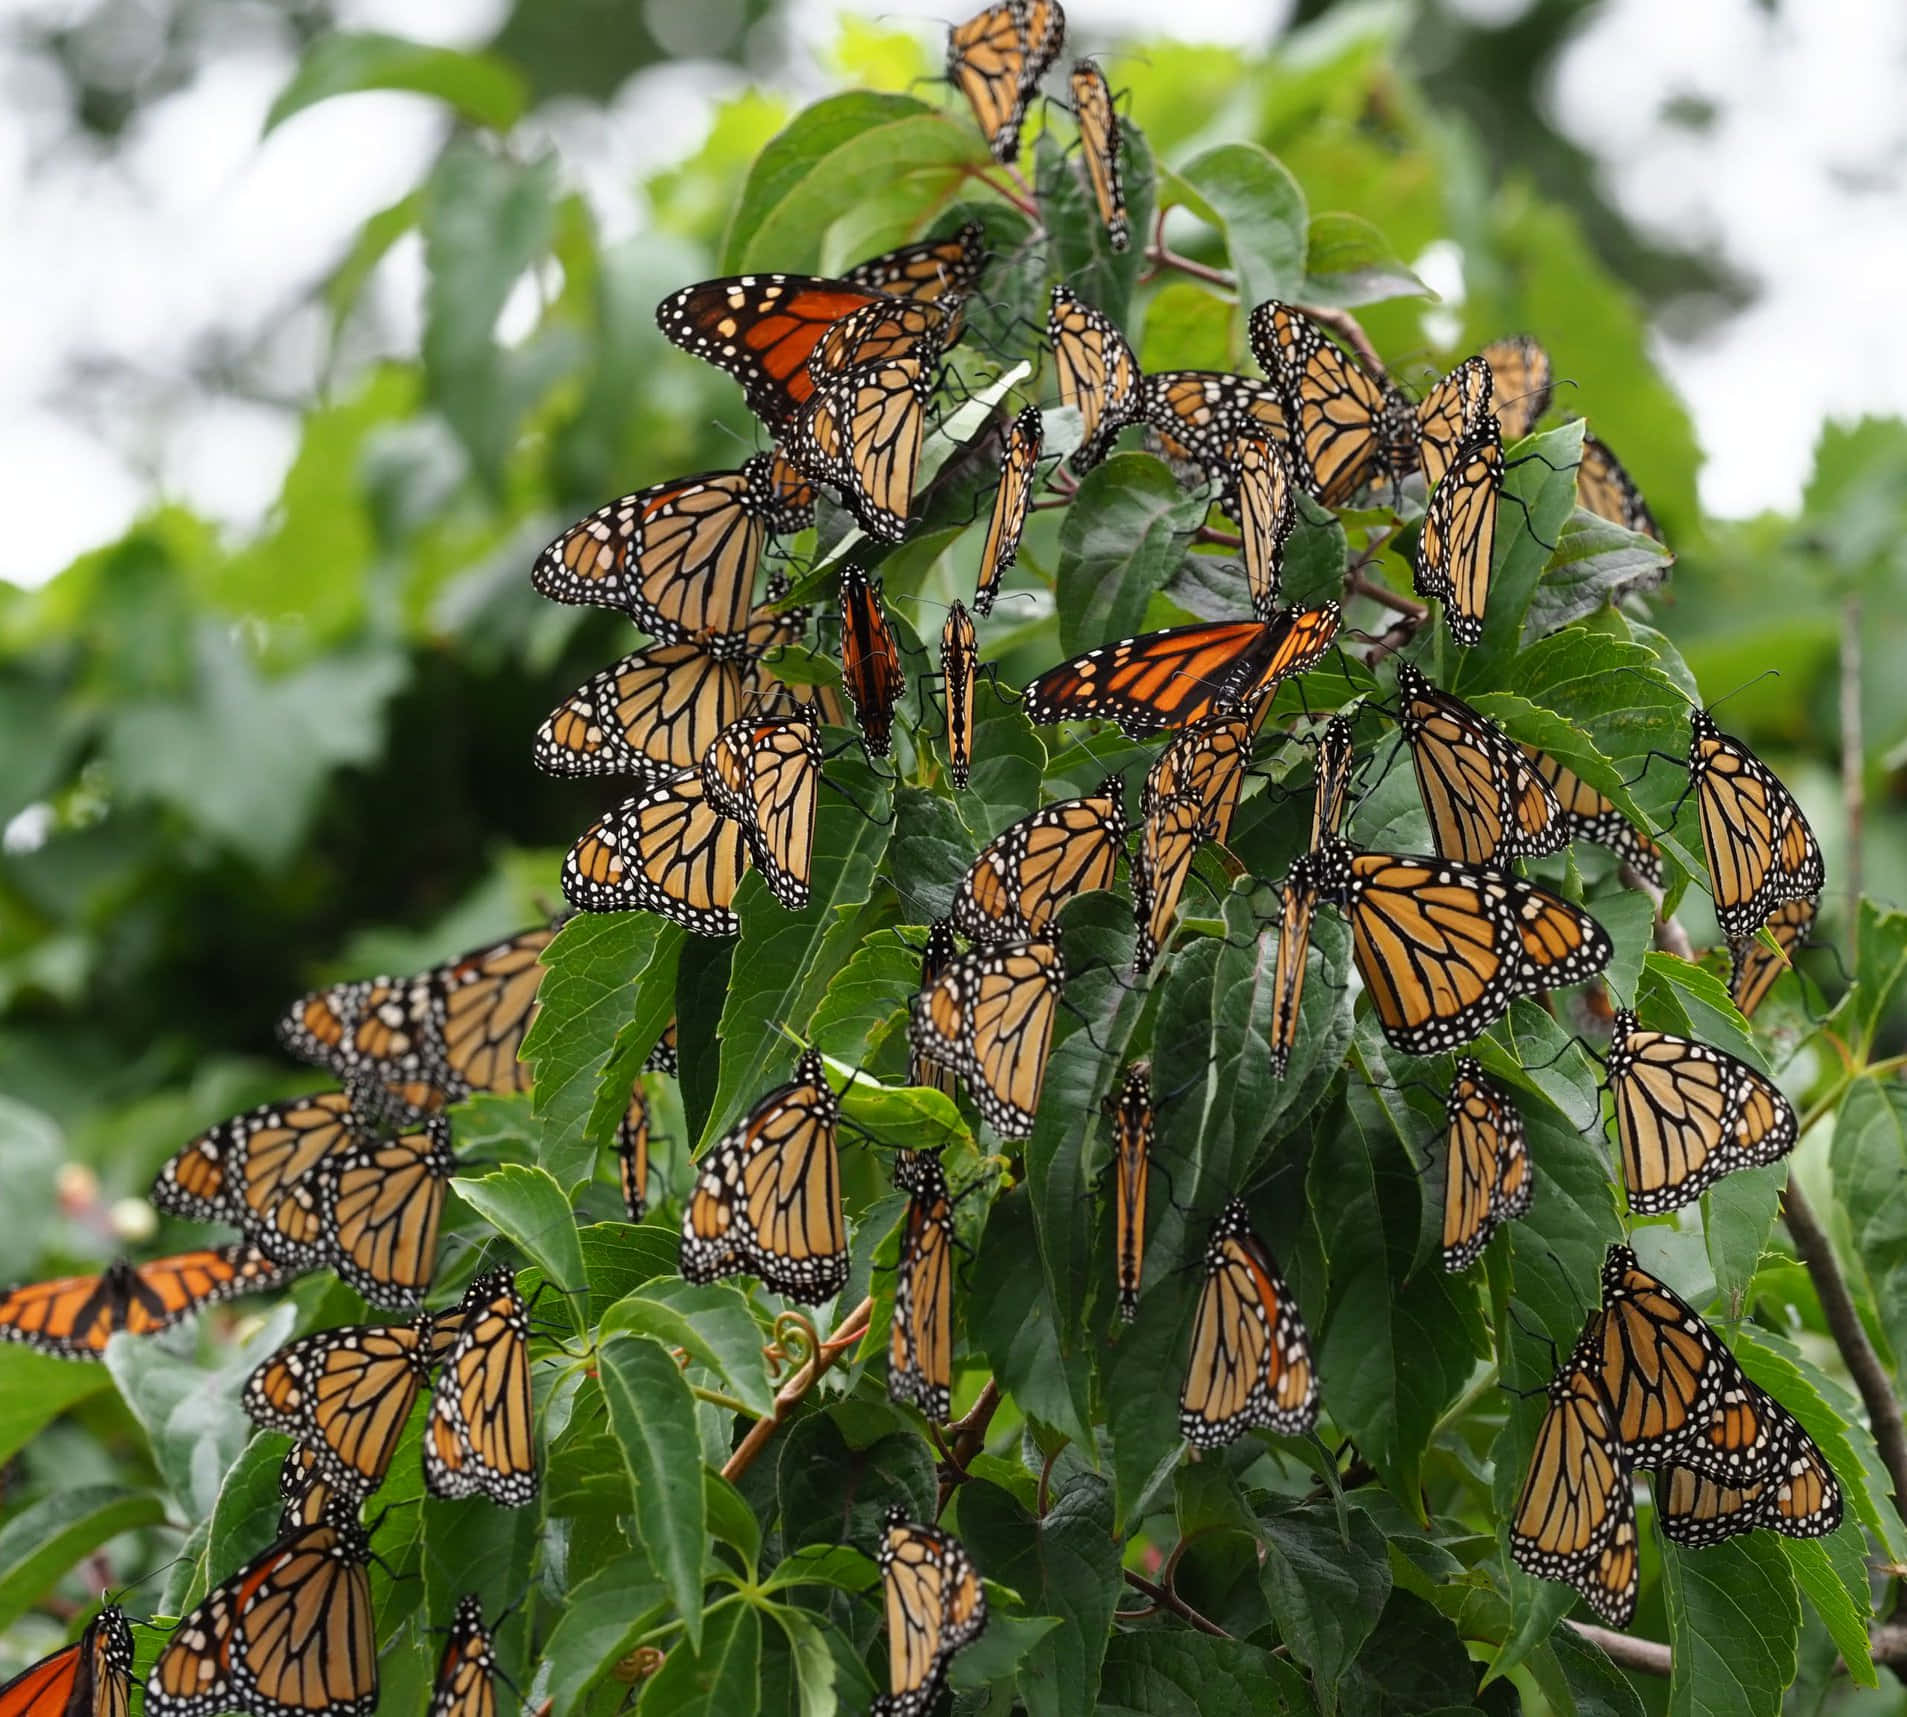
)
(250, 768)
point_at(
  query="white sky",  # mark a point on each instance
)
(193, 239)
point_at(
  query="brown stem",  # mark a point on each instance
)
(850, 1331)
(1022, 199)
(1385, 597)
(1649, 1656)
(1160, 255)
(1853, 787)
(1394, 640)
(1844, 1324)
(1169, 1600)
(1221, 539)
(1351, 331)
(966, 1438)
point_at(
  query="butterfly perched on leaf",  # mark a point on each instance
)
(480, 1435)
(1196, 417)
(996, 59)
(1099, 143)
(1022, 877)
(765, 774)
(920, 1342)
(467, 1672)
(1687, 1114)
(1302, 891)
(1798, 1496)
(871, 668)
(988, 1016)
(939, 952)
(669, 851)
(1754, 966)
(92, 1677)
(1097, 374)
(1588, 816)
(1019, 465)
(1759, 846)
(959, 663)
(1487, 1176)
(1169, 679)
(767, 1196)
(1521, 379)
(935, 1605)
(1605, 488)
(1133, 1130)
(237, 1171)
(1251, 1365)
(1264, 500)
(1456, 545)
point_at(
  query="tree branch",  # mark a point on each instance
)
(1160, 255)
(1625, 1651)
(1167, 1599)
(847, 1333)
(1844, 1324)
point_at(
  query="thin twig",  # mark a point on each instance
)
(966, 1437)
(1221, 539)
(1024, 203)
(1649, 1656)
(1850, 1336)
(1394, 640)
(1853, 786)
(1347, 326)
(1160, 255)
(1385, 597)
(850, 1331)
(1172, 1601)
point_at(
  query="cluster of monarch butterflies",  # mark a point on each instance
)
(841, 373)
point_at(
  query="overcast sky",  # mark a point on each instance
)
(166, 260)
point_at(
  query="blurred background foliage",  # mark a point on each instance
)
(230, 769)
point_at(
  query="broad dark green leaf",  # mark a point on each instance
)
(1414, 1661)
(717, 1673)
(712, 1322)
(46, 1538)
(482, 88)
(472, 1545)
(1012, 1318)
(653, 1416)
(245, 1518)
(1593, 1685)
(1595, 562)
(1120, 542)
(35, 1389)
(1869, 1157)
(1734, 1623)
(1250, 194)
(834, 1492)
(1157, 1671)
(1880, 966)
(1326, 1586)
(603, 1614)
(1836, 1585)
(1348, 262)
(525, 1205)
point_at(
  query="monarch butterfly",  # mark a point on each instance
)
(1676, 1394)
(378, 1207)
(1455, 411)
(1800, 1497)
(762, 329)
(1687, 1114)
(765, 773)
(679, 558)
(1261, 481)
(489, 1000)
(790, 495)
(988, 1016)
(1487, 1176)
(1099, 142)
(1576, 1518)
(466, 1676)
(870, 659)
(1204, 763)
(1098, 375)
(1197, 415)
(1604, 488)
(290, 1634)
(997, 58)
(920, 1346)
(1588, 816)
(1755, 967)
(1169, 679)
(310, 1493)
(1018, 468)
(767, 1198)
(381, 1036)
(1251, 1363)
(958, 660)
(632, 1152)
(1299, 896)
(73, 1317)
(1459, 536)
(1346, 427)
(1025, 874)
(663, 1059)
(652, 713)
(345, 1394)
(1444, 947)
(1520, 382)
(235, 1172)
(92, 1677)
(668, 850)
(1169, 840)
(935, 271)
(1759, 847)
(1484, 798)
(861, 435)
(1132, 1163)
(479, 1435)
(935, 1605)
(935, 958)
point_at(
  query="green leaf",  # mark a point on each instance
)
(1348, 262)
(1123, 535)
(1013, 1320)
(618, 1257)
(46, 1538)
(829, 157)
(1596, 1688)
(1869, 1159)
(35, 1389)
(1414, 1661)
(1734, 1626)
(525, 1204)
(1009, 768)
(603, 973)
(1152, 1671)
(995, 1657)
(1326, 1587)
(653, 1416)
(864, 1007)
(245, 1517)
(1596, 562)
(1880, 967)
(783, 960)
(1188, 327)
(731, 1520)
(471, 1545)
(712, 1322)
(1247, 191)
(482, 88)
(838, 1565)
(1065, 1564)
(718, 1673)
(1078, 250)
(1827, 1588)
(601, 1617)
(834, 1493)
